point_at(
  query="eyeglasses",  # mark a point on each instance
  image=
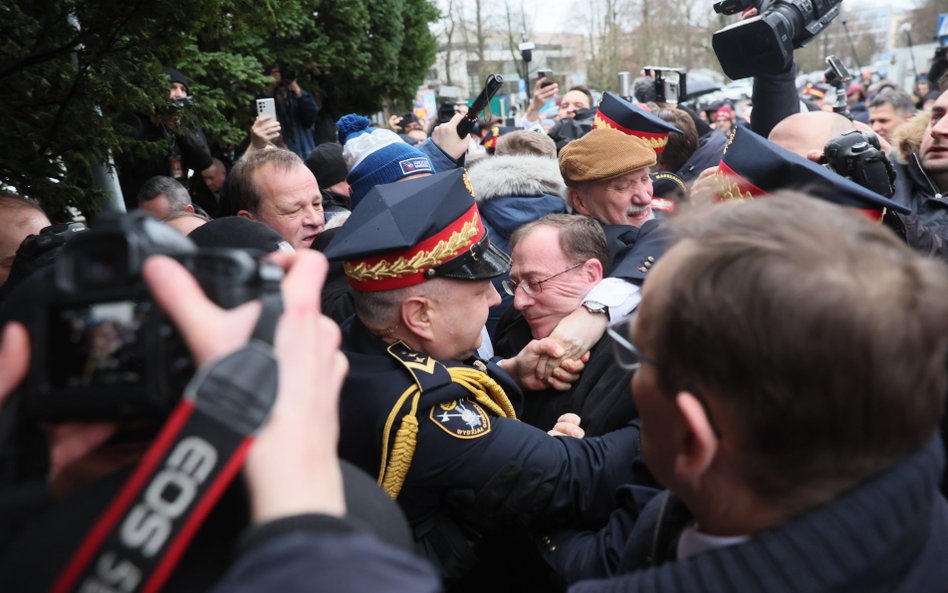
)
(533, 287)
(626, 355)
(630, 358)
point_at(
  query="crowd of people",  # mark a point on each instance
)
(642, 349)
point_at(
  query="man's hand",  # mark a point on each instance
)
(445, 136)
(172, 121)
(264, 132)
(567, 425)
(707, 185)
(524, 367)
(393, 123)
(292, 467)
(575, 334)
(541, 94)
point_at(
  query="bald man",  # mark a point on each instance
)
(802, 133)
(21, 218)
(806, 133)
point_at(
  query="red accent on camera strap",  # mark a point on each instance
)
(102, 543)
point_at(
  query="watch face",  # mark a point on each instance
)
(594, 307)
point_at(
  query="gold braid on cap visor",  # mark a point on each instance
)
(443, 251)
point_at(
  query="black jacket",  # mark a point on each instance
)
(601, 396)
(926, 229)
(569, 129)
(888, 534)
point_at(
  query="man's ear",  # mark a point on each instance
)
(416, 317)
(189, 208)
(576, 201)
(592, 269)
(696, 443)
(246, 214)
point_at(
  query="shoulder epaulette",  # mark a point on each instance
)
(427, 372)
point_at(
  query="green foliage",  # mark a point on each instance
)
(62, 63)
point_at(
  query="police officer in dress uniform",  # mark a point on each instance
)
(417, 410)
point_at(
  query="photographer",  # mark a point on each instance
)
(297, 505)
(187, 147)
(296, 110)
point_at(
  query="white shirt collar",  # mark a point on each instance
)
(694, 542)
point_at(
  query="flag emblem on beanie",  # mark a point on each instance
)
(375, 156)
(617, 113)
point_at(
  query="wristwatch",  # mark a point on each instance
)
(596, 308)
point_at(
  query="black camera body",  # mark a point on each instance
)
(101, 347)
(287, 74)
(176, 106)
(858, 156)
(764, 44)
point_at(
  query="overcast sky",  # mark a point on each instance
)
(559, 15)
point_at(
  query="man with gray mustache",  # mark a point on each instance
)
(606, 175)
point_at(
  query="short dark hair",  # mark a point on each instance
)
(581, 237)
(643, 89)
(822, 334)
(680, 147)
(241, 186)
(584, 90)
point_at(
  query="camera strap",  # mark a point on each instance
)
(137, 541)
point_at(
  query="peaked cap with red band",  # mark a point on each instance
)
(617, 113)
(402, 234)
(754, 166)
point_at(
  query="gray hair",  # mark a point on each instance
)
(901, 102)
(177, 194)
(380, 311)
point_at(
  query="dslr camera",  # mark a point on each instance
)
(857, 156)
(101, 347)
(764, 44)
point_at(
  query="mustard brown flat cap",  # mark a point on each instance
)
(604, 153)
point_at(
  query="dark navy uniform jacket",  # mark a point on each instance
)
(460, 443)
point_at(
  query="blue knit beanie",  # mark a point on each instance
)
(375, 156)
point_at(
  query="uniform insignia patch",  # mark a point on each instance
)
(461, 418)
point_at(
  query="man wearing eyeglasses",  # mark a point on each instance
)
(607, 178)
(556, 261)
(790, 375)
